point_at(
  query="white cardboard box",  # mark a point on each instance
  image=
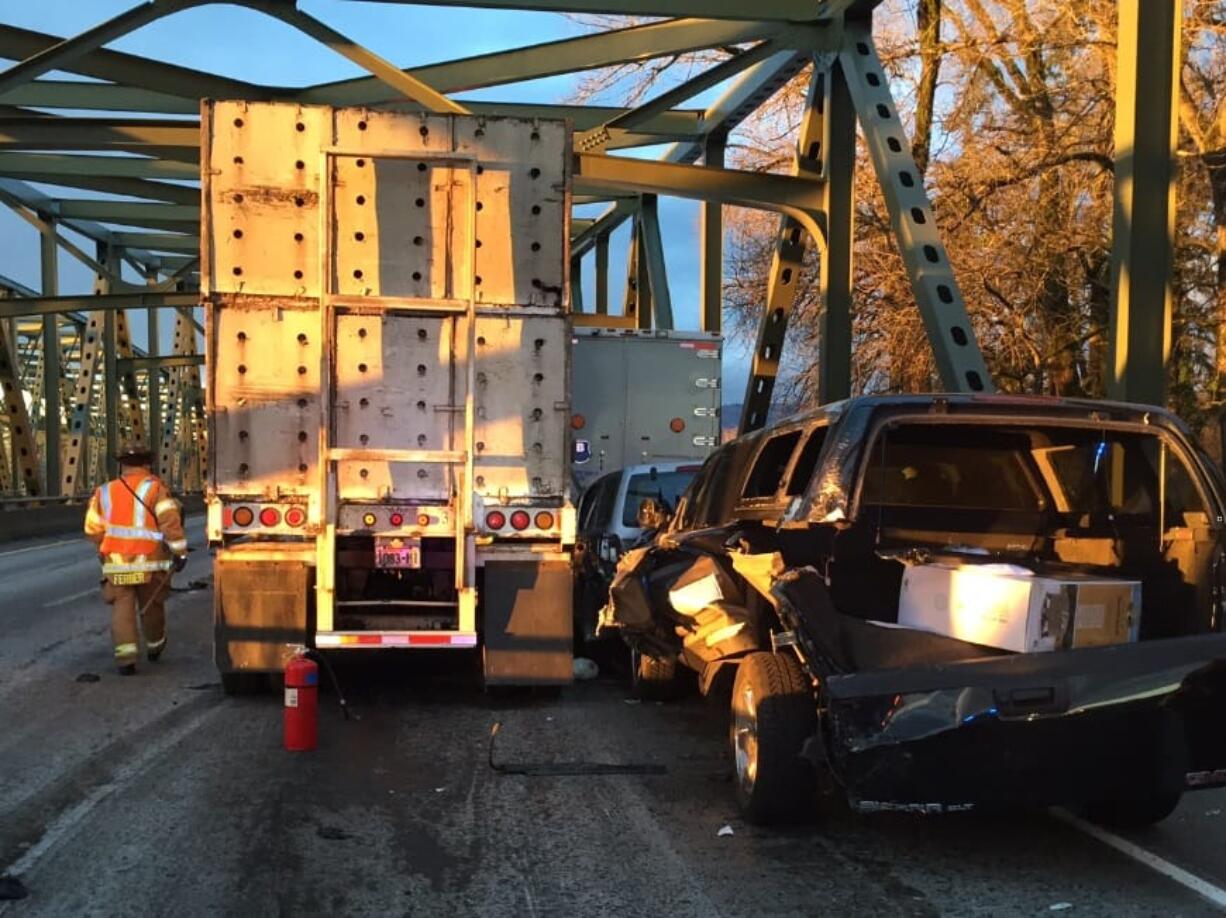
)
(1003, 606)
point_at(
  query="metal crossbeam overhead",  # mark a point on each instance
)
(138, 151)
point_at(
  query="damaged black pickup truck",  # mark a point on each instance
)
(934, 602)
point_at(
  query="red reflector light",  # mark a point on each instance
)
(244, 516)
(270, 516)
(495, 519)
(227, 517)
(676, 425)
(578, 421)
(544, 520)
(396, 519)
(295, 516)
(520, 520)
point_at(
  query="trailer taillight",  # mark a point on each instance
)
(295, 516)
(270, 516)
(423, 519)
(544, 520)
(227, 517)
(520, 520)
(676, 425)
(369, 519)
(578, 421)
(396, 519)
(244, 516)
(495, 519)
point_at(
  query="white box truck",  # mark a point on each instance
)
(643, 396)
(388, 385)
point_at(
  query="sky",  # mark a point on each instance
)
(240, 43)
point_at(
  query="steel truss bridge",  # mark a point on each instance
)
(75, 384)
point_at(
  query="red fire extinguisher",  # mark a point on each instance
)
(301, 704)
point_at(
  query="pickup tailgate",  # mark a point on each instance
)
(1043, 728)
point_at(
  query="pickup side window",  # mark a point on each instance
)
(768, 469)
(802, 471)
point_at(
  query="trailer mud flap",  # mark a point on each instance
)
(527, 616)
(260, 605)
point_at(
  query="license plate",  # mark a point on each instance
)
(398, 553)
(131, 579)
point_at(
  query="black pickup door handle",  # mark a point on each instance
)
(1039, 699)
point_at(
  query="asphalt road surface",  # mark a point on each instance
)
(158, 795)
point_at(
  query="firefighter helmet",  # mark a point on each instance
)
(135, 455)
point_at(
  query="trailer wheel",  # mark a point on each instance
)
(654, 678)
(773, 714)
(1134, 813)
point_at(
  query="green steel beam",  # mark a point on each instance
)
(651, 253)
(959, 361)
(49, 305)
(1146, 135)
(787, 262)
(157, 242)
(752, 88)
(176, 140)
(711, 245)
(798, 198)
(784, 10)
(132, 364)
(63, 54)
(838, 155)
(602, 274)
(587, 52)
(26, 165)
(133, 70)
(600, 137)
(404, 84)
(56, 94)
(165, 216)
(135, 188)
(49, 265)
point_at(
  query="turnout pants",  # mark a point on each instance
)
(125, 602)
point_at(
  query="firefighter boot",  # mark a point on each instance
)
(127, 669)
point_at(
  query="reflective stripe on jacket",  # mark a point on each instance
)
(136, 524)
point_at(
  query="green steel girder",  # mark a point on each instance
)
(133, 70)
(158, 242)
(798, 198)
(838, 155)
(711, 245)
(111, 97)
(133, 364)
(47, 305)
(1146, 136)
(959, 361)
(166, 216)
(786, 264)
(783, 10)
(28, 165)
(751, 89)
(402, 83)
(130, 187)
(651, 254)
(63, 54)
(587, 52)
(174, 140)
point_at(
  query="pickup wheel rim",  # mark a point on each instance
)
(745, 739)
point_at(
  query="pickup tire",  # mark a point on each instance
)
(773, 714)
(653, 678)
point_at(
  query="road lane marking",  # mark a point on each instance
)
(22, 551)
(123, 775)
(1215, 894)
(67, 599)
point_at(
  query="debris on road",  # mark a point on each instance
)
(89, 677)
(563, 769)
(585, 669)
(12, 888)
(726, 830)
(332, 833)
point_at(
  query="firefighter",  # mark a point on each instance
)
(138, 528)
